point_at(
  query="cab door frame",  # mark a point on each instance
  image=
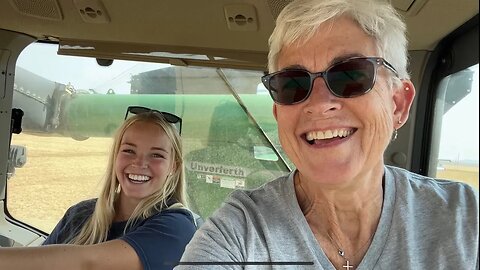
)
(457, 51)
(12, 233)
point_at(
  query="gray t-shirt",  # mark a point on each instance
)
(425, 224)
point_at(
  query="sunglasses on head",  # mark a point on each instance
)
(171, 118)
(349, 78)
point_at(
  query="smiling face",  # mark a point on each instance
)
(330, 139)
(144, 160)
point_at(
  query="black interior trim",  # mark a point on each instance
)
(455, 52)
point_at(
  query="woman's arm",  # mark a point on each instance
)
(157, 244)
(115, 254)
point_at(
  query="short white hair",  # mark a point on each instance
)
(300, 19)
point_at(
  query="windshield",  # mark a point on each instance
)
(73, 106)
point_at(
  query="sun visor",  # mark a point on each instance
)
(174, 55)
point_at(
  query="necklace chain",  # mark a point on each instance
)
(341, 252)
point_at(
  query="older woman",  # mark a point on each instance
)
(341, 90)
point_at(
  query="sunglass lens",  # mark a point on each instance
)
(138, 110)
(289, 86)
(352, 78)
(170, 118)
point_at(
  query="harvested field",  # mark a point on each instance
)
(59, 172)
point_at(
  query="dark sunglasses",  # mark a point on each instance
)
(349, 78)
(171, 118)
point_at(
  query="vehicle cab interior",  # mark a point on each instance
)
(70, 69)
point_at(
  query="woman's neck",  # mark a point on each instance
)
(360, 196)
(123, 208)
(343, 217)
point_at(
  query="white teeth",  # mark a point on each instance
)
(328, 134)
(138, 177)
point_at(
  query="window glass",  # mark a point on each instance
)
(455, 140)
(73, 106)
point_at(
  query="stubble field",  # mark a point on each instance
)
(59, 173)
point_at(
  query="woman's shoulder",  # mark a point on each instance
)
(273, 198)
(83, 208)
(172, 221)
(78, 213)
(442, 190)
(177, 213)
(174, 212)
(265, 194)
(71, 222)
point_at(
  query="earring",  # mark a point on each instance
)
(407, 88)
(395, 135)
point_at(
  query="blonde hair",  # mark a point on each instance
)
(300, 19)
(95, 230)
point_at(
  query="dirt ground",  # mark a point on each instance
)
(59, 173)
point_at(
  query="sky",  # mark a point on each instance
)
(460, 132)
(86, 73)
(459, 140)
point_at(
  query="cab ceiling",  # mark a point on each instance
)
(201, 26)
